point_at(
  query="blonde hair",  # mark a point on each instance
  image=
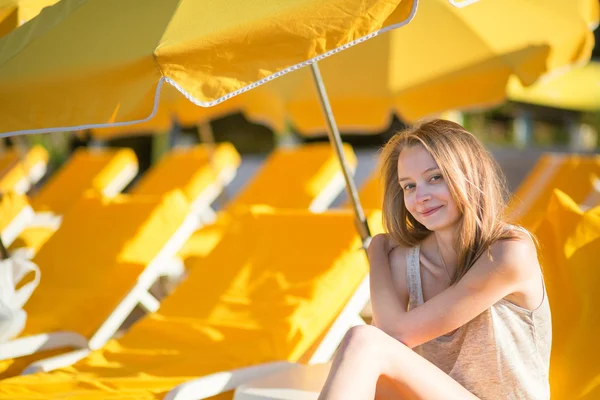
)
(474, 179)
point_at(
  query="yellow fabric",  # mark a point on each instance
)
(85, 170)
(367, 83)
(371, 192)
(49, 78)
(573, 176)
(419, 70)
(290, 276)
(173, 105)
(446, 58)
(190, 169)
(540, 176)
(15, 167)
(292, 178)
(11, 204)
(33, 237)
(569, 248)
(13, 13)
(205, 239)
(94, 259)
(577, 89)
(289, 178)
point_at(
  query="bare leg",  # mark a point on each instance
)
(369, 362)
(387, 389)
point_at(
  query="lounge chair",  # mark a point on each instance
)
(281, 286)
(18, 172)
(95, 269)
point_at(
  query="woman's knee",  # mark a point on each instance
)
(362, 340)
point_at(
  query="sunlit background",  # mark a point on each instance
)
(225, 235)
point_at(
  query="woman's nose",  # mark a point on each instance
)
(423, 195)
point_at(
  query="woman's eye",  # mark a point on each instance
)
(435, 178)
(408, 186)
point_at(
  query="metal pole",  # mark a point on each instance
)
(336, 142)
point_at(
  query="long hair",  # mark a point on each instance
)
(474, 179)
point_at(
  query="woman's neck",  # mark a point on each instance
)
(445, 241)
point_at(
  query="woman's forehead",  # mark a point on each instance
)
(415, 160)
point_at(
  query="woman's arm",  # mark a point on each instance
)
(488, 281)
(388, 299)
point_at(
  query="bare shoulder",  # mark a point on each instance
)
(382, 247)
(384, 243)
(515, 258)
(397, 259)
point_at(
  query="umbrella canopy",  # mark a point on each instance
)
(446, 58)
(13, 13)
(85, 63)
(173, 106)
(470, 54)
(578, 90)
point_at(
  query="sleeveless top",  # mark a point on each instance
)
(503, 353)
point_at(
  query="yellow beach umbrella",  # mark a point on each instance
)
(578, 89)
(446, 58)
(84, 64)
(173, 106)
(99, 62)
(13, 13)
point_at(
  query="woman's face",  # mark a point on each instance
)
(426, 194)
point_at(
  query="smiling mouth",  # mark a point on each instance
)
(430, 211)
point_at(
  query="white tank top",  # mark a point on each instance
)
(503, 353)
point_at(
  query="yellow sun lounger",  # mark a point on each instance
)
(569, 250)
(201, 172)
(105, 171)
(95, 269)
(593, 198)
(295, 279)
(15, 215)
(371, 192)
(569, 241)
(18, 172)
(307, 177)
(568, 172)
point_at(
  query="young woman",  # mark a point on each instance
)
(459, 304)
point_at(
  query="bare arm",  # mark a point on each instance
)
(389, 297)
(487, 282)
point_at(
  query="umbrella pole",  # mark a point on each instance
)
(336, 142)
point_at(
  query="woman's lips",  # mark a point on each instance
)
(430, 211)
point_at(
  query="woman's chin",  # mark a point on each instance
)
(439, 225)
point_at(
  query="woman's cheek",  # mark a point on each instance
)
(410, 204)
